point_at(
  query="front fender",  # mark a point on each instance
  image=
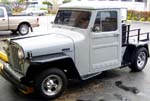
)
(60, 60)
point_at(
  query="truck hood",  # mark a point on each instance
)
(45, 44)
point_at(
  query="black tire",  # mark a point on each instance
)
(53, 79)
(23, 29)
(139, 60)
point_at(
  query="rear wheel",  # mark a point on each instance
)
(139, 60)
(23, 29)
(51, 83)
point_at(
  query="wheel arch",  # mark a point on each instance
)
(66, 65)
(25, 22)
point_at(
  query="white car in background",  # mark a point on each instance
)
(34, 11)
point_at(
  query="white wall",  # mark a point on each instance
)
(132, 5)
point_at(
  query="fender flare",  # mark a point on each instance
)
(59, 60)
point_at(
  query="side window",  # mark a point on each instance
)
(105, 21)
(1, 13)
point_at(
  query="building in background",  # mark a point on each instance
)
(140, 5)
(147, 3)
(132, 4)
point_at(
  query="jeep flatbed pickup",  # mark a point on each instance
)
(86, 39)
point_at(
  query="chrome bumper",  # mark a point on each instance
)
(12, 76)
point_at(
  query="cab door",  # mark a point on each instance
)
(3, 19)
(105, 41)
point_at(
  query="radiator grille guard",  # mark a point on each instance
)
(13, 58)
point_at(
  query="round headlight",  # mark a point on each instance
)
(20, 54)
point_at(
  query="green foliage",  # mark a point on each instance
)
(5, 1)
(21, 1)
(43, 8)
(66, 1)
(148, 19)
(47, 3)
(135, 18)
(129, 17)
(138, 15)
(142, 19)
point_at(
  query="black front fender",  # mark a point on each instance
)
(61, 61)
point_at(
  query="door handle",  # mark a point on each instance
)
(3, 19)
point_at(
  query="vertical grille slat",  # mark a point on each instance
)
(15, 60)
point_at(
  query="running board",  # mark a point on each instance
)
(85, 77)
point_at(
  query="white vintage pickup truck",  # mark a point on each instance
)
(20, 23)
(86, 39)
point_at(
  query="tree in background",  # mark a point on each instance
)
(5, 1)
(66, 1)
(18, 5)
(49, 5)
(21, 1)
(53, 6)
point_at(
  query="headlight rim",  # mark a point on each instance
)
(20, 54)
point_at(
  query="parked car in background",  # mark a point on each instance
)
(33, 10)
(17, 23)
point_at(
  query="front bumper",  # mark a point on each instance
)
(15, 78)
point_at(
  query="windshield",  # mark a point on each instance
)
(73, 18)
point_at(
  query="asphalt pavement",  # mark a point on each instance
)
(113, 85)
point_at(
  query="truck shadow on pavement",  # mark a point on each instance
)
(75, 88)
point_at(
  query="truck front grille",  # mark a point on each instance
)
(14, 60)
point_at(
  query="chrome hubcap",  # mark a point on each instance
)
(141, 59)
(24, 29)
(52, 85)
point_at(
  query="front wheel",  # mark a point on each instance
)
(139, 60)
(23, 29)
(51, 83)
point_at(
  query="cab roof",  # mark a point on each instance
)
(93, 5)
